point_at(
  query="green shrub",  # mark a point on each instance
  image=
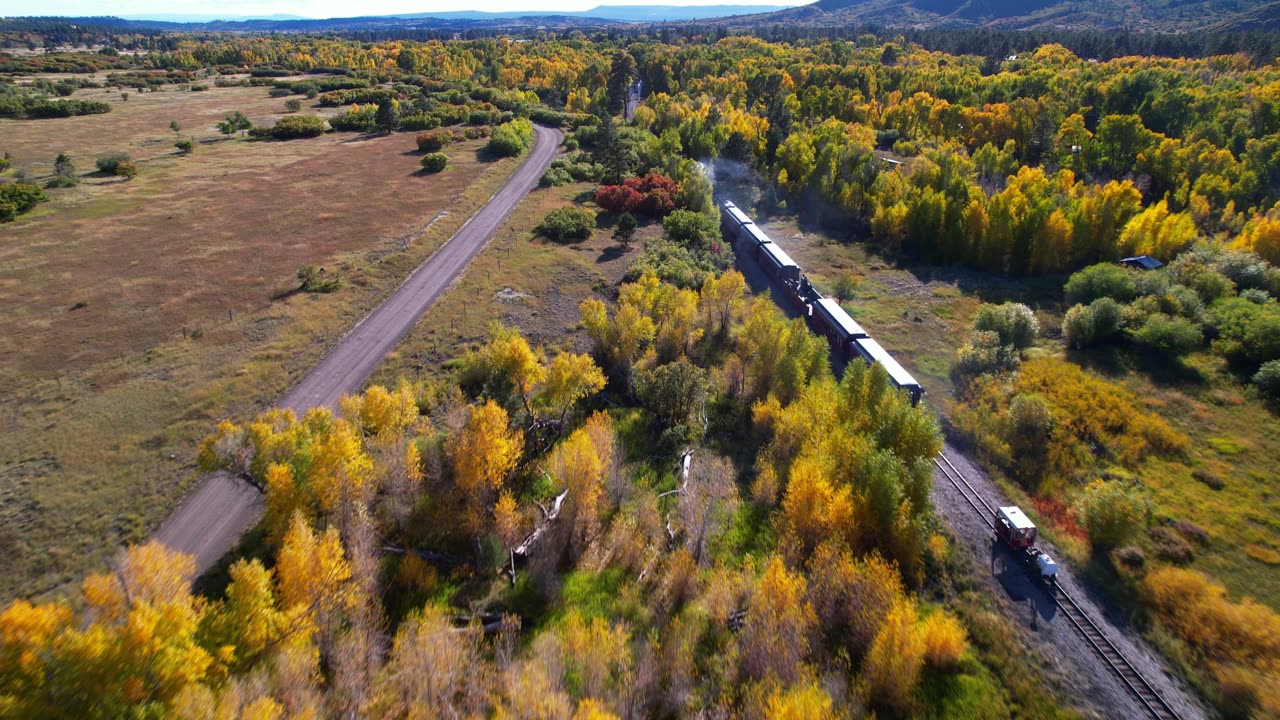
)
(1013, 322)
(127, 169)
(1093, 324)
(292, 105)
(1168, 334)
(1111, 513)
(434, 162)
(110, 163)
(1267, 379)
(17, 198)
(982, 354)
(64, 172)
(555, 177)
(512, 138)
(316, 280)
(360, 119)
(567, 223)
(419, 121)
(690, 227)
(278, 92)
(433, 142)
(1101, 280)
(298, 126)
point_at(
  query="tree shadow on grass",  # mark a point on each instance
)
(611, 253)
(364, 137)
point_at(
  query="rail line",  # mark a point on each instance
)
(1120, 665)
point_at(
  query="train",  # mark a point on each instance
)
(849, 341)
(1016, 531)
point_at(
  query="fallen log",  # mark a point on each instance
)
(539, 530)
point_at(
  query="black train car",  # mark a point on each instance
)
(826, 317)
(870, 351)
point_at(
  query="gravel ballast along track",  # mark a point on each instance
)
(1083, 677)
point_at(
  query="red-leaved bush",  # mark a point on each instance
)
(652, 194)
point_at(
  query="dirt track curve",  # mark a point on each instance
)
(210, 522)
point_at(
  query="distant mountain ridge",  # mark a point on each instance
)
(614, 13)
(1141, 15)
(1169, 16)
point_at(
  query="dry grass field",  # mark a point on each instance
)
(138, 314)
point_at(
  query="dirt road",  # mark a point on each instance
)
(208, 524)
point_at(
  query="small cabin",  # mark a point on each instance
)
(1142, 262)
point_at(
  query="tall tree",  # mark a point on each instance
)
(621, 72)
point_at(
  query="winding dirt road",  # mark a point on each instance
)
(210, 522)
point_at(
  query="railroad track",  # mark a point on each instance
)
(1115, 659)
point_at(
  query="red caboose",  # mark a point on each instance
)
(1014, 529)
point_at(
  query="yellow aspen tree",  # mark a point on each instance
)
(807, 701)
(483, 452)
(379, 412)
(313, 574)
(721, 301)
(284, 498)
(340, 471)
(250, 619)
(779, 627)
(569, 378)
(892, 667)
(591, 709)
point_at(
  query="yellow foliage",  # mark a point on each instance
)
(1239, 641)
(597, 653)
(264, 708)
(892, 667)
(313, 571)
(800, 702)
(945, 640)
(484, 452)
(150, 573)
(779, 626)
(379, 412)
(813, 508)
(340, 471)
(1261, 236)
(590, 709)
(569, 378)
(1158, 232)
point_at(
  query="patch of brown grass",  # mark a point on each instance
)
(101, 407)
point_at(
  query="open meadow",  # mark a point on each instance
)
(139, 313)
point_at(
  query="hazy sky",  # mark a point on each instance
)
(322, 8)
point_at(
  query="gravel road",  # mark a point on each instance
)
(209, 523)
(1072, 663)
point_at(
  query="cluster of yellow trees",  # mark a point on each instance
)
(369, 506)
